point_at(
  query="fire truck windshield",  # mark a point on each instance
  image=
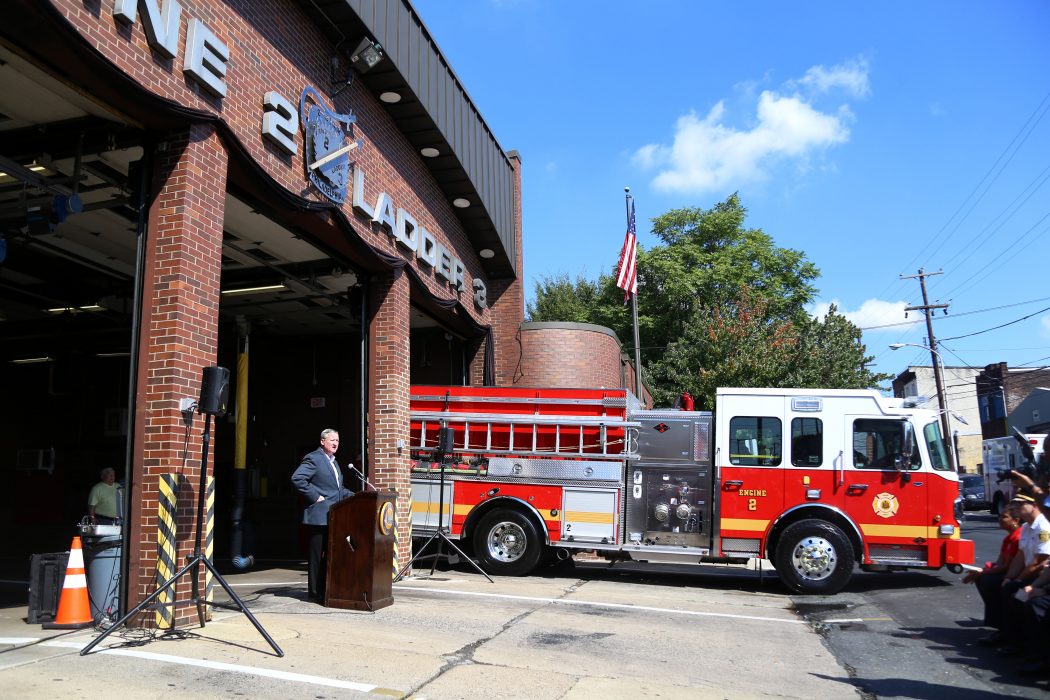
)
(936, 446)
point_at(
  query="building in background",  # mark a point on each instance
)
(1016, 397)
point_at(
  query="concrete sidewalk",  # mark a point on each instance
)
(570, 633)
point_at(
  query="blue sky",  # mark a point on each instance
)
(877, 138)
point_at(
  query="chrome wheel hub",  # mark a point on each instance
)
(506, 542)
(814, 558)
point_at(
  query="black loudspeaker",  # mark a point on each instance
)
(446, 440)
(215, 391)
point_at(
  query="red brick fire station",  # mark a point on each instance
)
(301, 191)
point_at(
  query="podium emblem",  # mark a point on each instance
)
(386, 518)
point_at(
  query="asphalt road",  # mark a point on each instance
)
(907, 634)
(918, 638)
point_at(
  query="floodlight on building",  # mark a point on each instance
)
(365, 57)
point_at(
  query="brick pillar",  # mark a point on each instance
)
(507, 298)
(388, 341)
(180, 313)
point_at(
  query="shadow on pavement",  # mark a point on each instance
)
(910, 688)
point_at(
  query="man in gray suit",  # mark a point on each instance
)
(319, 479)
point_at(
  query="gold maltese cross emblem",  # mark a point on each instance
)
(885, 505)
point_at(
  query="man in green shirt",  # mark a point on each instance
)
(102, 501)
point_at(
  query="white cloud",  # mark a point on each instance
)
(707, 154)
(873, 312)
(851, 77)
(1045, 321)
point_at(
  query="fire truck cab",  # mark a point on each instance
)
(815, 481)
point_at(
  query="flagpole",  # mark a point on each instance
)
(634, 314)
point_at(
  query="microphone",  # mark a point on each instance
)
(365, 481)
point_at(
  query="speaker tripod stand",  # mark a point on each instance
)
(439, 536)
(192, 568)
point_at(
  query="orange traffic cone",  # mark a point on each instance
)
(74, 610)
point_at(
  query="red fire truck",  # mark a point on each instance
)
(815, 481)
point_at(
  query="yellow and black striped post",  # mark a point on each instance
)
(209, 546)
(398, 535)
(167, 547)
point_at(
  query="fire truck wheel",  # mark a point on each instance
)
(507, 544)
(813, 556)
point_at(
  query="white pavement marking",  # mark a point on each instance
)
(19, 640)
(595, 604)
(218, 666)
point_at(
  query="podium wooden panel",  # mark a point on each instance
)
(361, 551)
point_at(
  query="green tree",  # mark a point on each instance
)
(559, 298)
(719, 305)
(746, 344)
(830, 354)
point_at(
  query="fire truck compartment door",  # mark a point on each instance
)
(589, 515)
(425, 500)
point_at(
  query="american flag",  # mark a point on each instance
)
(627, 277)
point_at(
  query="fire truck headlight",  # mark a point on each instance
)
(662, 512)
(948, 530)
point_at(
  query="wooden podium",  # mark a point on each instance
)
(361, 551)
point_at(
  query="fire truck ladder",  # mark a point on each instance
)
(523, 434)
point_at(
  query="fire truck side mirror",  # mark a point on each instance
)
(903, 461)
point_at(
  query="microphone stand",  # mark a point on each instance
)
(365, 483)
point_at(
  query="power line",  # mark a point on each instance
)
(1004, 325)
(1039, 110)
(964, 313)
(989, 267)
(972, 247)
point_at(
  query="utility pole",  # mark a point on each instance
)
(942, 400)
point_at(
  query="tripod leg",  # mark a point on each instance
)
(139, 608)
(465, 557)
(240, 603)
(433, 564)
(419, 554)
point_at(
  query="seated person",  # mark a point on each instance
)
(1033, 553)
(990, 579)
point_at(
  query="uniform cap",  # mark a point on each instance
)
(1022, 498)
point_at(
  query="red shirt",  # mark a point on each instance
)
(1009, 546)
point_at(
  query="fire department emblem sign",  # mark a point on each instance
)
(386, 518)
(327, 156)
(885, 505)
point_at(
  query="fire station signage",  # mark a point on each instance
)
(328, 168)
(205, 59)
(327, 164)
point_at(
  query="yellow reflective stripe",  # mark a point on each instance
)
(432, 507)
(928, 532)
(744, 524)
(580, 516)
